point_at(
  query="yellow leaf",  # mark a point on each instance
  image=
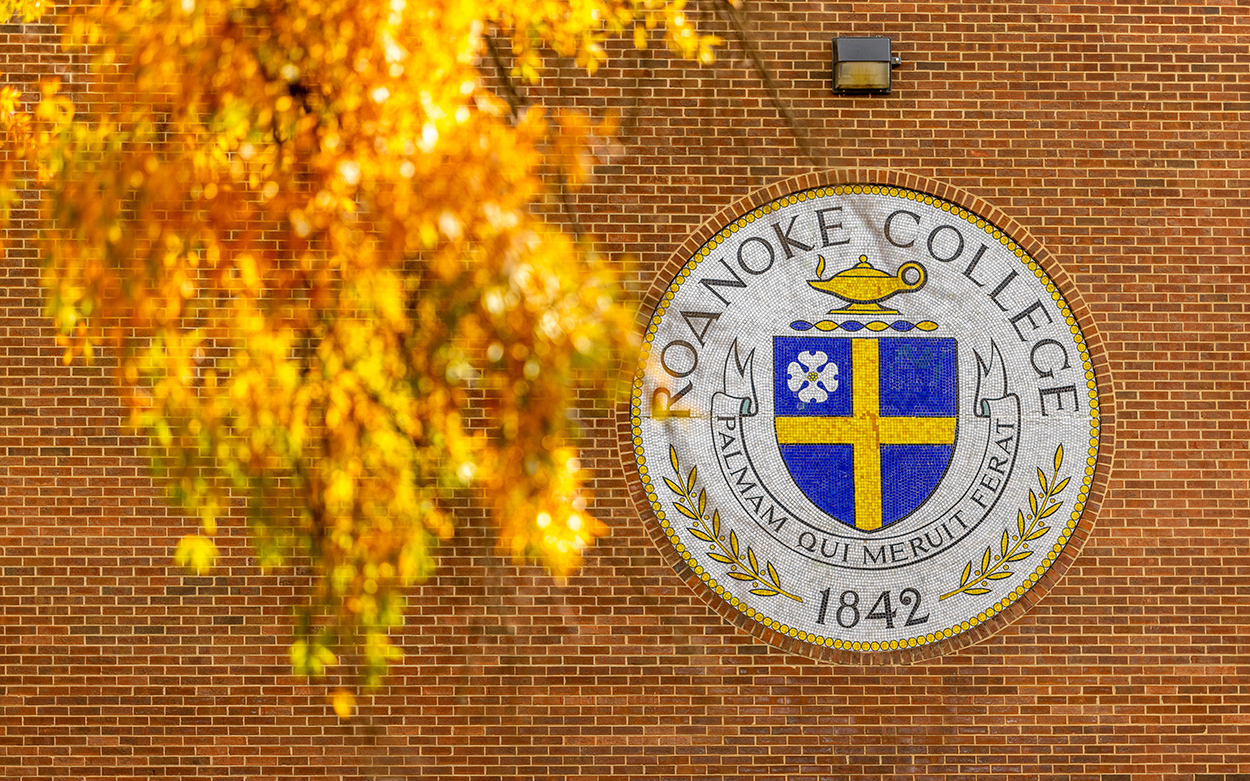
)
(344, 703)
(196, 552)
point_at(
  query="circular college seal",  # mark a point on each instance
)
(865, 417)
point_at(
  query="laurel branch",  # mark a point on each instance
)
(1015, 548)
(743, 563)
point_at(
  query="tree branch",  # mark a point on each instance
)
(732, 16)
(517, 103)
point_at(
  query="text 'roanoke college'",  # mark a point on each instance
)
(751, 260)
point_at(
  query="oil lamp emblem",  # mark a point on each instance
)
(864, 287)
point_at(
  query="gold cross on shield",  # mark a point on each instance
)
(866, 431)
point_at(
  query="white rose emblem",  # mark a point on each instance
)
(815, 379)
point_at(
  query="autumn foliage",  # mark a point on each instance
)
(305, 229)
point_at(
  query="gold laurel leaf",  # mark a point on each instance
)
(686, 511)
(702, 535)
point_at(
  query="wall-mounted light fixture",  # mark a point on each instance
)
(863, 65)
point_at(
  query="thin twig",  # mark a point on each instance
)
(517, 103)
(726, 10)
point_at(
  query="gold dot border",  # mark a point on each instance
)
(969, 217)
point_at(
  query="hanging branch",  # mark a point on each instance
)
(517, 103)
(733, 16)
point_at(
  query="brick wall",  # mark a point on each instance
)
(1112, 134)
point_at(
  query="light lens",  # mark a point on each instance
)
(861, 75)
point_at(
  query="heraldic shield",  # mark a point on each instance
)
(866, 426)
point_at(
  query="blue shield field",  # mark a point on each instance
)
(866, 426)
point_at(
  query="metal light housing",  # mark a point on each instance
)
(863, 65)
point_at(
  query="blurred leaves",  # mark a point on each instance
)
(196, 552)
(305, 229)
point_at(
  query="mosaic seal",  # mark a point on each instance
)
(865, 417)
